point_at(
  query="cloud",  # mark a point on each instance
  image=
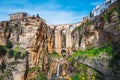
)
(54, 16)
(51, 11)
(96, 3)
(62, 17)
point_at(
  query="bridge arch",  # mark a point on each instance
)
(63, 52)
(71, 28)
(63, 36)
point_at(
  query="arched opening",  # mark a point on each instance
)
(63, 52)
(71, 28)
(55, 28)
(63, 34)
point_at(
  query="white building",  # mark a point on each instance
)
(100, 9)
(96, 11)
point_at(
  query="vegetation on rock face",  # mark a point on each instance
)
(9, 44)
(10, 53)
(2, 50)
(82, 72)
(114, 63)
(93, 52)
(77, 28)
(55, 54)
(37, 16)
(108, 14)
(40, 75)
(7, 28)
(7, 75)
(88, 23)
(16, 53)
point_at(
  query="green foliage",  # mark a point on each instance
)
(1, 78)
(13, 63)
(7, 28)
(41, 76)
(37, 16)
(114, 63)
(77, 28)
(88, 23)
(2, 50)
(9, 45)
(75, 77)
(7, 75)
(10, 53)
(54, 54)
(93, 52)
(17, 54)
(107, 15)
(33, 17)
(83, 72)
(34, 68)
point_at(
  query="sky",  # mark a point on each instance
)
(53, 11)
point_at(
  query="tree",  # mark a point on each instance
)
(33, 17)
(38, 16)
(91, 14)
(2, 50)
(11, 53)
(9, 45)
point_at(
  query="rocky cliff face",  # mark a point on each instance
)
(32, 39)
(37, 39)
(96, 33)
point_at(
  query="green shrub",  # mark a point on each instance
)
(106, 17)
(55, 54)
(11, 53)
(82, 72)
(93, 52)
(17, 55)
(88, 23)
(41, 76)
(9, 45)
(75, 77)
(2, 50)
(1, 78)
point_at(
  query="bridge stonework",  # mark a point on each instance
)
(58, 37)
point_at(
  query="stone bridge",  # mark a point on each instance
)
(63, 38)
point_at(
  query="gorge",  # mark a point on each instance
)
(30, 49)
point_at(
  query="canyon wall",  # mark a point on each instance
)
(31, 35)
(96, 33)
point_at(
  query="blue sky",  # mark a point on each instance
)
(53, 11)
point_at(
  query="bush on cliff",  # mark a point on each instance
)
(93, 52)
(9, 45)
(2, 50)
(10, 53)
(54, 54)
